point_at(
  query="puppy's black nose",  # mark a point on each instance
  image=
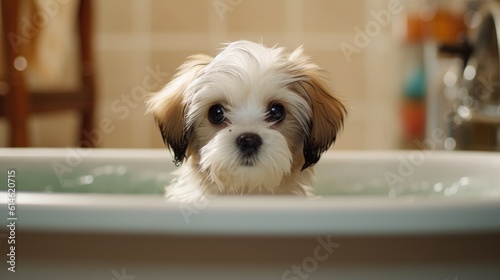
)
(249, 143)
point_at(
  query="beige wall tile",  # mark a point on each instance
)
(346, 79)
(169, 61)
(382, 134)
(122, 92)
(333, 16)
(113, 15)
(128, 133)
(156, 141)
(116, 136)
(257, 16)
(385, 78)
(119, 72)
(352, 137)
(268, 39)
(180, 15)
(54, 130)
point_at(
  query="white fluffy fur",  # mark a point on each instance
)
(245, 78)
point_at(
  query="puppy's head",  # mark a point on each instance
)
(248, 117)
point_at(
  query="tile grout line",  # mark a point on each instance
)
(141, 24)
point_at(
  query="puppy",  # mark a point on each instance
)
(251, 120)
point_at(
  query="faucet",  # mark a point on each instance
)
(469, 100)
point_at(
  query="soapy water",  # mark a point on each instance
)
(121, 179)
(101, 179)
(470, 186)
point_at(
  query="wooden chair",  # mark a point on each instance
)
(17, 102)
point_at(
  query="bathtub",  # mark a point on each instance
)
(100, 214)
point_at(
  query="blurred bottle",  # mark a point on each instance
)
(428, 23)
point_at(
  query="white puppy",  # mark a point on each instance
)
(251, 120)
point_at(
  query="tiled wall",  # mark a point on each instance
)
(135, 36)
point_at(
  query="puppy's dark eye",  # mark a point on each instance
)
(216, 114)
(276, 113)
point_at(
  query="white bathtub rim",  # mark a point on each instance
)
(255, 215)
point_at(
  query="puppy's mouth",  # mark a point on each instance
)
(248, 161)
(249, 146)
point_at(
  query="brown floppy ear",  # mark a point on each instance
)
(328, 113)
(169, 106)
